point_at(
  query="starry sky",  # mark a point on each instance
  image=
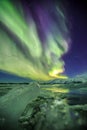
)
(76, 58)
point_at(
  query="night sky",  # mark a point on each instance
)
(76, 58)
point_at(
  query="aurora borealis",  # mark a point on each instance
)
(33, 39)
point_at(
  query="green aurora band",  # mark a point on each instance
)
(32, 40)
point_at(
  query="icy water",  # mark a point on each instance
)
(14, 99)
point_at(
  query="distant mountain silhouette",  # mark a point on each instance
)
(10, 78)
